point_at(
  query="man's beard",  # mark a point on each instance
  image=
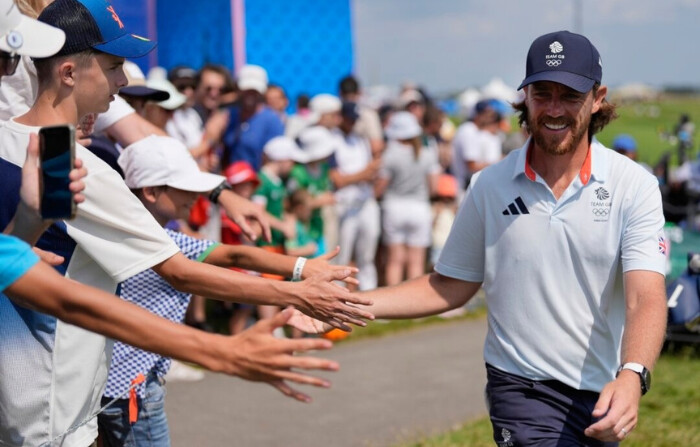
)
(558, 147)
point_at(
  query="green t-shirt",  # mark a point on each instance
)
(302, 238)
(316, 181)
(274, 192)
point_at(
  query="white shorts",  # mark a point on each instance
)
(407, 222)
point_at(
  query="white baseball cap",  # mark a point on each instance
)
(252, 77)
(136, 85)
(403, 126)
(325, 103)
(408, 97)
(161, 161)
(317, 142)
(176, 99)
(24, 35)
(284, 148)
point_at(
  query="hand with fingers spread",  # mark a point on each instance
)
(321, 264)
(258, 356)
(618, 407)
(320, 297)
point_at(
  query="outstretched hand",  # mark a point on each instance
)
(321, 298)
(307, 324)
(321, 264)
(256, 355)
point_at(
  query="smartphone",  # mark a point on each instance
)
(57, 158)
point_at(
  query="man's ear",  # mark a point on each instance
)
(66, 72)
(599, 97)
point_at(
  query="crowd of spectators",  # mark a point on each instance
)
(381, 183)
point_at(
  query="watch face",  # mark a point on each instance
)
(646, 380)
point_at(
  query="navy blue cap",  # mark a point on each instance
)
(482, 106)
(141, 91)
(350, 110)
(93, 24)
(565, 58)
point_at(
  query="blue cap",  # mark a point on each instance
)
(624, 142)
(482, 106)
(565, 58)
(350, 110)
(501, 107)
(94, 24)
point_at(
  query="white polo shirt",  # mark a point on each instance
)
(552, 269)
(52, 373)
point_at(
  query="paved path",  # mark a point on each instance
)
(389, 389)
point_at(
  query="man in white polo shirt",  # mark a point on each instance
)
(565, 236)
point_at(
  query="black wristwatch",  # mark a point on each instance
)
(216, 192)
(642, 372)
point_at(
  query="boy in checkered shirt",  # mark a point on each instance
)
(163, 175)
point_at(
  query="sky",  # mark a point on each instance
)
(449, 45)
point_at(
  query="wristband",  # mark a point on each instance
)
(298, 268)
(216, 192)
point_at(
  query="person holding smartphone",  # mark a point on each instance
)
(30, 282)
(111, 239)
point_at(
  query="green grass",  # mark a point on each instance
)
(647, 122)
(668, 415)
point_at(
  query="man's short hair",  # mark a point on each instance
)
(45, 66)
(349, 85)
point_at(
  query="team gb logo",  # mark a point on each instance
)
(556, 47)
(601, 193)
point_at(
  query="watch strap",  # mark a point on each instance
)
(642, 372)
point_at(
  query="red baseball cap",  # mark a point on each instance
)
(241, 172)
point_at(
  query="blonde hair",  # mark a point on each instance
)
(32, 8)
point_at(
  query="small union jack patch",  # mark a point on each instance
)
(663, 245)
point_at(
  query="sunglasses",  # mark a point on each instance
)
(183, 87)
(8, 63)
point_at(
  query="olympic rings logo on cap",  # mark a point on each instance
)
(554, 62)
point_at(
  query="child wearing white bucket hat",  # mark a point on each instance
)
(319, 144)
(164, 176)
